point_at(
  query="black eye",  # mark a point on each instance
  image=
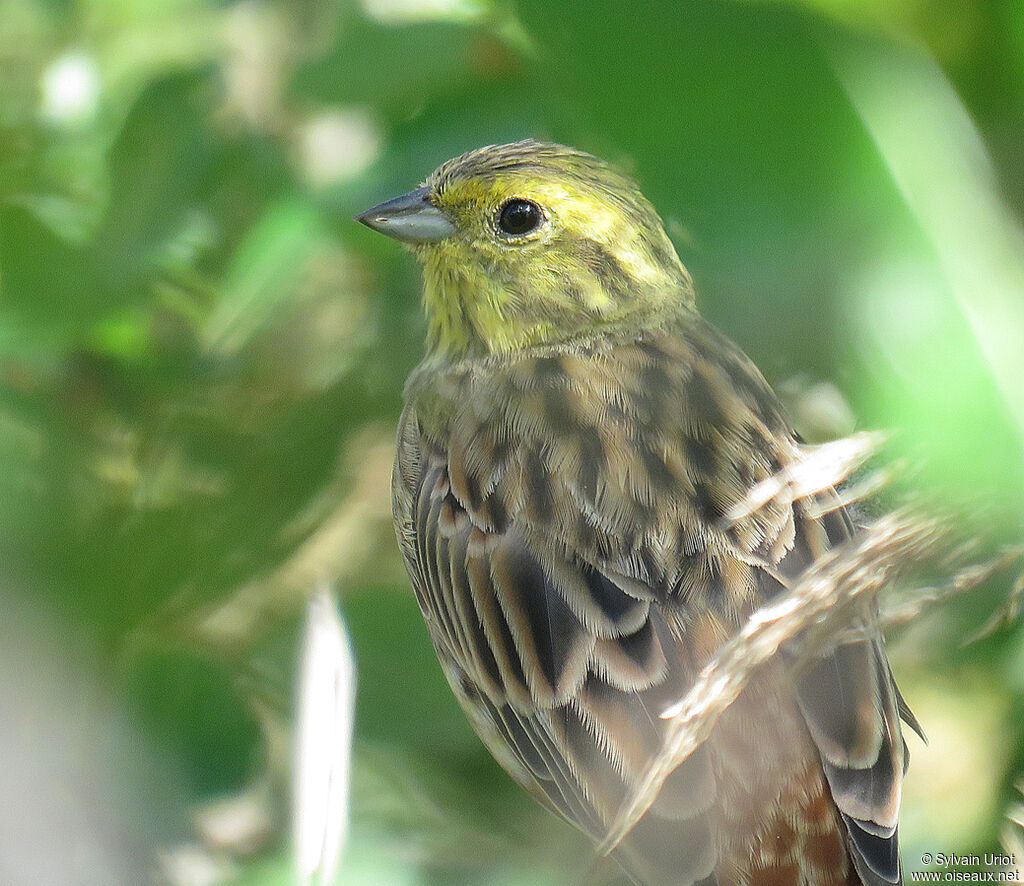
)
(519, 216)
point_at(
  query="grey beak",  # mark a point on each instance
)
(411, 218)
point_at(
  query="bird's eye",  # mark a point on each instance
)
(518, 216)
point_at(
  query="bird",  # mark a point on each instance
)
(570, 448)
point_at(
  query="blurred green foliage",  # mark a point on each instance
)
(201, 356)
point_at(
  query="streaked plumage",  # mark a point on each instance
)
(569, 447)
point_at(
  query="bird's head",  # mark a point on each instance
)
(533, 243)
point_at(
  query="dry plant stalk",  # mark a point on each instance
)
(818, 606)
(827, 604)
(966, 579)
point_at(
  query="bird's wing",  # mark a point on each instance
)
(562, 672)
(852, 708)
(564, 528)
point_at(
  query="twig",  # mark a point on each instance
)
(826, 598)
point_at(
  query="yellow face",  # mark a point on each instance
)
(532, 243)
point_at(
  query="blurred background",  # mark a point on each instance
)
(201, 362)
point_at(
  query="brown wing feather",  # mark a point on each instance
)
(852, 709)
(561, 518)
(568, 703)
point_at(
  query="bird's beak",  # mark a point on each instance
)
(411, 218)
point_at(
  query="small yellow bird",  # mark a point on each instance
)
(570, 446)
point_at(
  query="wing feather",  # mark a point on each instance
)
(575, 583)
(852, 709)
